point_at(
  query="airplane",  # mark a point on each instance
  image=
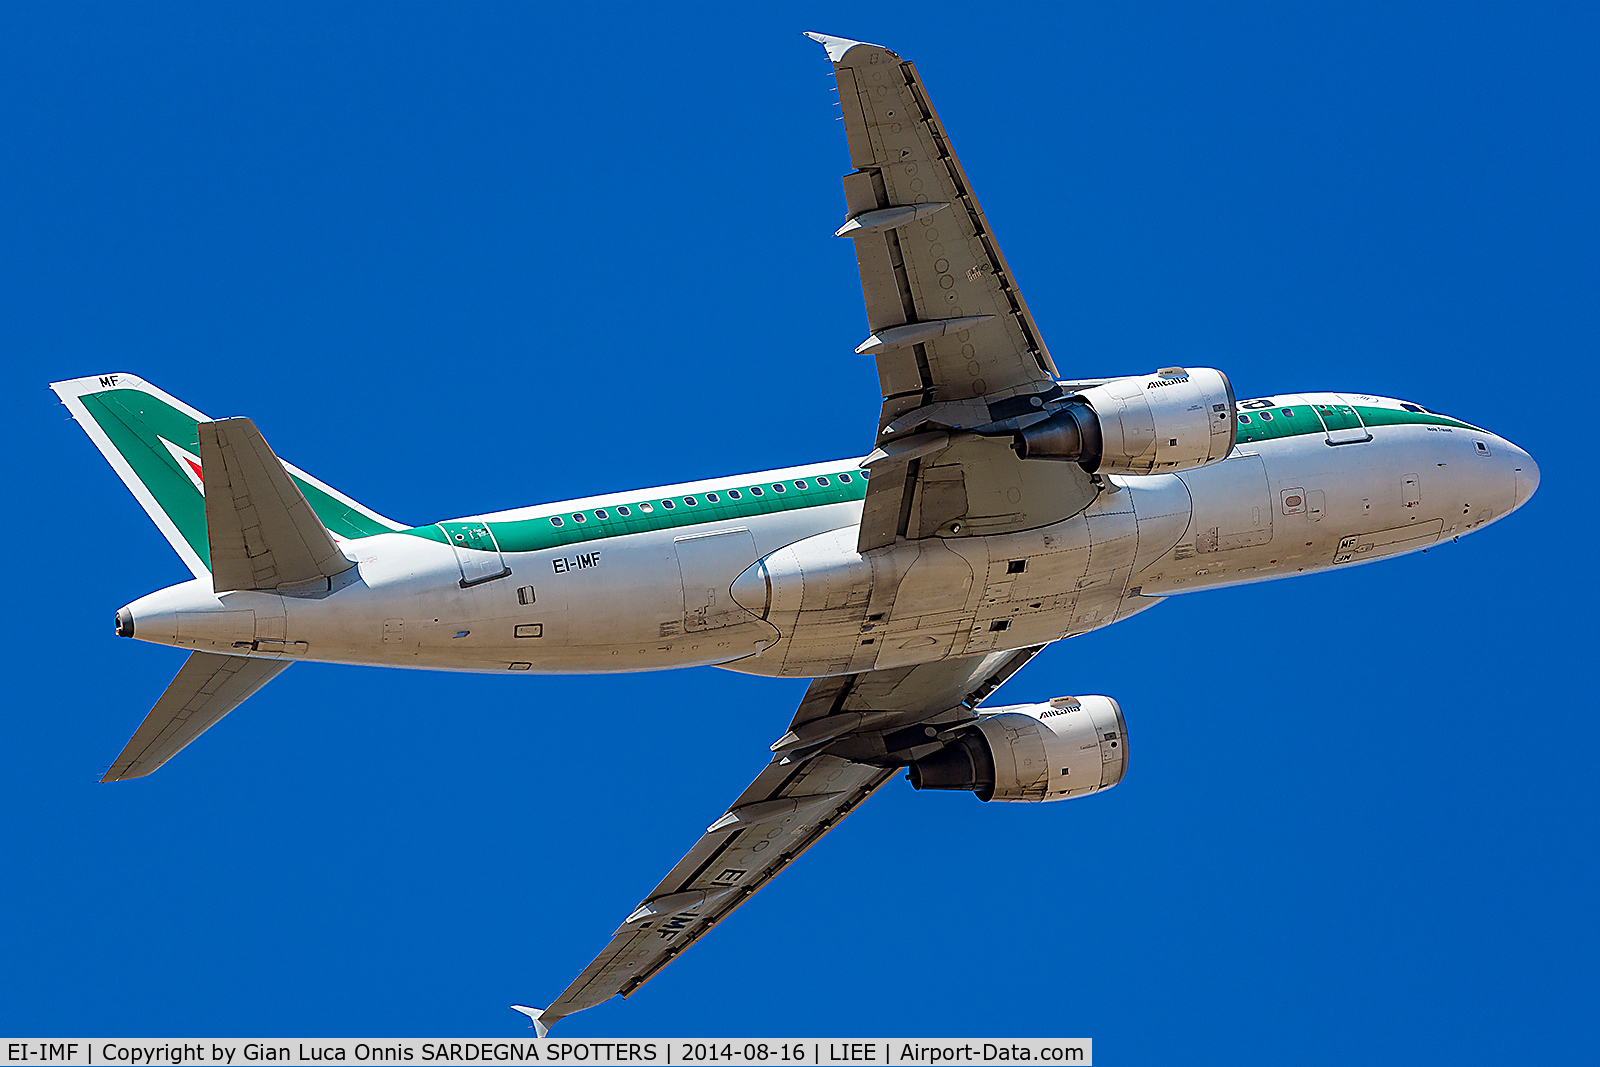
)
(1002, 508)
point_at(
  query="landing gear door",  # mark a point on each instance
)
(476, 552)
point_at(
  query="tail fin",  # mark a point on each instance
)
(152, 441)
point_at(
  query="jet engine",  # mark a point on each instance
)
(1070, 747)
(1172, 420)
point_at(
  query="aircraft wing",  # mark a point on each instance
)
(821, 771)
(956, 346)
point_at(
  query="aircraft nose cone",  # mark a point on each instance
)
(1526, 473)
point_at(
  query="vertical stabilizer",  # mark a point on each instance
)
(152, 441)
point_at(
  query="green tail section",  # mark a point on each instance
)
(152, 441)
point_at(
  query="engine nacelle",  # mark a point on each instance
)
(1070, 747)
(1173, 420)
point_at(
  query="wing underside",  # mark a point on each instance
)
(959, 360)
(851, 734)
(957, 349)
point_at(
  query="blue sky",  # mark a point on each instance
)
(459, 258)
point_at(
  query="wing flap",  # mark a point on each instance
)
(206, 688)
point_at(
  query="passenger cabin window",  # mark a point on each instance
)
(779, 487)
(800, 485)
(600, 513)
(623, 511)
(555, 520)
(1266, 416)
(646, 507)
(822, 481)
(755, 490)
(1244, 418)
(711, 498)
(578, 516)
(733, 494)
(691, 501)
(669, 505)
(844, 477)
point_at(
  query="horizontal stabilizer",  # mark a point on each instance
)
(207, 687)
(263, 533)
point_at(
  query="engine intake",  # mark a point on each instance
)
(1173, 420)
(1070, 747)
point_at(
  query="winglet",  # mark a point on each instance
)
(838, 46)
(535, 1014)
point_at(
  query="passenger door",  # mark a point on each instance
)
(1343, 424)
(476, 551)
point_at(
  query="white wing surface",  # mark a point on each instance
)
(821, 771)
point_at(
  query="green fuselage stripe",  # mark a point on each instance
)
(532, 535)
(1293, 420)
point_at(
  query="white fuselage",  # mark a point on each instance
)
(786, 593)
